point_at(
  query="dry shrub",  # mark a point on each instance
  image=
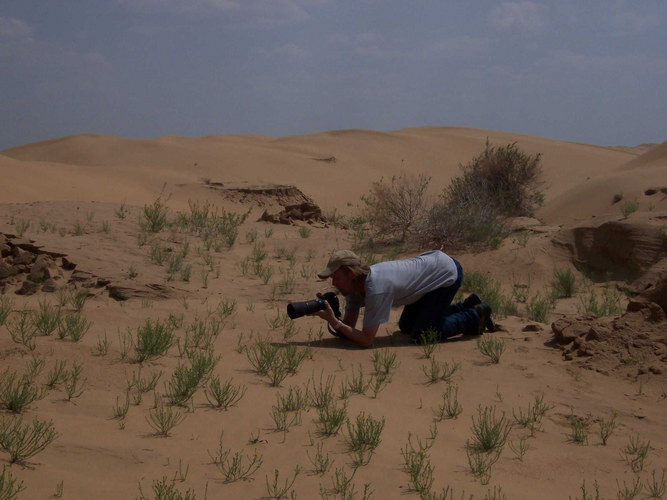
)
(398, 208)
(500, 182)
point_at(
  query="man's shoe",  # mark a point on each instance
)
(471, 301)
(485, 321)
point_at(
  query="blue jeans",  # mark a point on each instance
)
(435, 310)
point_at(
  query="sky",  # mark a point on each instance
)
(591, 71)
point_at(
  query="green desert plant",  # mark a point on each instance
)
(57, 375)
(46, 319)
(580, 428)
(283, 491)
(539, 306)
(6, 306)
(25, 441)
(417, 465)
(321, 461)
(636, 452)
(344, 488)
(9, 485)
(384, 361)
(22, 330)
(187, 378)
(17, 392)
(500, 182)
(610, 303)
(428, 340)
(165, 489)
(656, 487)
(73, 384)
(489, 431)
(331, 418)
(223, 395)
(564, 282)
(74, 326)
(153, 339)
(154, 216)
(363, 437)
(321, 394)
(237, 466)
(629, 207)
(491, 346)
(163, 419)
(450, 406)
(607, 427)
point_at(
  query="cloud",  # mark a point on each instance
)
(289, 50)
(527, 17)
(265, 11)
(631, 23)
(14, 29)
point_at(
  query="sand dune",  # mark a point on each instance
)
(72, 205)
(361, 157)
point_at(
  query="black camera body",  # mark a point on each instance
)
(299, 309)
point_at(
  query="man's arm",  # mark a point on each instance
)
(363, 338)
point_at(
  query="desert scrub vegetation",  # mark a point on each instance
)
(153, 339)
(18, 392)
(10, 487)
(25, 441)
(397, 208)
(500, 182)
(165, 489)
(237, 466)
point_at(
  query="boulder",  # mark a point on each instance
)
(27, 288)
(21, 257)
(7, 270)
(44, 268)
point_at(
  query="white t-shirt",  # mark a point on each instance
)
(401, 282)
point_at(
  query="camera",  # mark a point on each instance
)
(298, 309)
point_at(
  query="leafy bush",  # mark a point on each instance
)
(501, 182)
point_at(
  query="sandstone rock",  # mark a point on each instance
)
(5, 250)
(532, 327)
(50, 285)
(27, 288)
(127, 290)
(88, 280)
(7, 270)
(21, 257)
(43, 268)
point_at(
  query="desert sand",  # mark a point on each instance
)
(74, 203)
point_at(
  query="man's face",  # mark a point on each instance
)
(342, 279)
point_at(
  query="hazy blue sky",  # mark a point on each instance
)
(592, 71)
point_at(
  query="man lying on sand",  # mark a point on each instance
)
(425, 285)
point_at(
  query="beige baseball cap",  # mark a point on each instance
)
(339, 258)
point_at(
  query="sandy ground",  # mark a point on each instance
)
(72, 190)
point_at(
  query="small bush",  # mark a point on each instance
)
(501, 182)
(17, 392)
(6, 305)
(9, 487)
(564, 282)
(397, 208)
(24, 441)
(154, 216)
(491, 347)
(153, 339)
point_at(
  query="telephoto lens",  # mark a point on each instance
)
(297, 309)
